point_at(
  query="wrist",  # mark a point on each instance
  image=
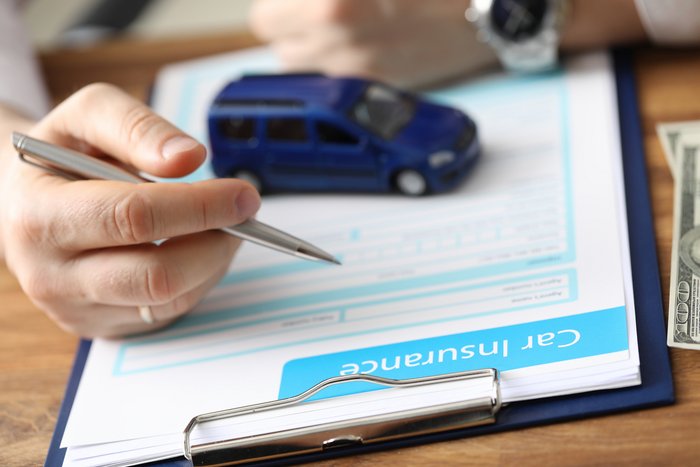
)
(525, 34)
(601, 23)
(10, 120)
(467, 53)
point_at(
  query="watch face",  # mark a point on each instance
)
(518, 20)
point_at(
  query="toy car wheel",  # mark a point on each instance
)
(410, 182)
(249, 177)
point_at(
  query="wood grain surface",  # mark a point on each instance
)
(36, 356)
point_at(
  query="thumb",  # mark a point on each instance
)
(107, 119)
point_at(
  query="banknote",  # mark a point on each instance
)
(684, 297)
(670, 135)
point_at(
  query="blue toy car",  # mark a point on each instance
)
(310, 132)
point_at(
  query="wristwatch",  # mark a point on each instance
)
(524, 33)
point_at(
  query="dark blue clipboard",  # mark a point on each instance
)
(657, 380)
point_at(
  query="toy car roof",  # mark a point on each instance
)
(291, 90)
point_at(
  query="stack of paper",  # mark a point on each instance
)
(525, 268)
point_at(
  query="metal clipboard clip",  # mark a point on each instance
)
(471, 411)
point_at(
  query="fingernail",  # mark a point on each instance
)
(177, 145)
(247, 203)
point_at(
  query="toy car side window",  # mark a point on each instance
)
(331, 134)
(287, 130)
(237, 128)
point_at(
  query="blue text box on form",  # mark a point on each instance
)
(505, 348)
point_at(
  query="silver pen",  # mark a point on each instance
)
(77, 166)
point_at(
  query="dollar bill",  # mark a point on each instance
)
(684, 297)
(670, 135)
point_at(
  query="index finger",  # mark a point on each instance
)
(92, 214)
(104, 117)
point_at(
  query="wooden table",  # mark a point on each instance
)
(36, 356)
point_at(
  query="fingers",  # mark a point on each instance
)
(274, 19)
(95, 320)
(409, 43)
(151, 274)
(172, 278)
(102, 118)
(266, 18)
(85, 215)
(277, 20)
(130, 322)
(337, 37)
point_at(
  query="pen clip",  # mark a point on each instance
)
(69, 163)
(54, 170)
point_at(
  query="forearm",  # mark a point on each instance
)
(10, 120)
(22, 91)
(21, 84)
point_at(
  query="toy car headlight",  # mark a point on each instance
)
(440, 159)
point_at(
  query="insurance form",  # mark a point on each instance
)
(525, 268)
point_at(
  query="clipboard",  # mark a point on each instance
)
(486, 415)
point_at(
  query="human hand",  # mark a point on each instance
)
(409, 43)
(84, 251)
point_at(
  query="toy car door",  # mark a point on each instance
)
(349, 162)
(290, 160)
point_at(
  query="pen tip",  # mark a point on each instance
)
(317, 254)
(329, 259)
